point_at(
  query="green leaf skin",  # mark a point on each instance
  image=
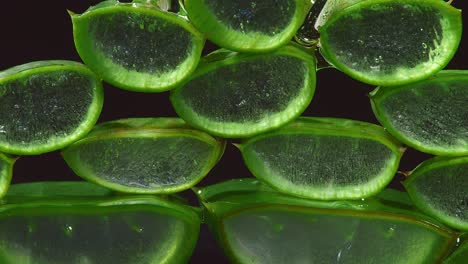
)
(137, 47)
(255, 224)
(6, 171)
(459, 256)
(430, 116)
(47, 105)
(439, 187)
(389, 42)
(144, 155)
(77, 222)
(237, 95)
(324, 158)
(248, 26)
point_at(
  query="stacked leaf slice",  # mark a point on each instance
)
(76, 222)
(256, 224)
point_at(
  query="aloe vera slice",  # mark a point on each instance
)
(389, 42)
(137, 47)
(248, 25)
(239, 95)
(144, 155)
(430, 116)
(6, 170)
(439, 187)
(255, 224)
(46, 105)
(76, 223)
(459, 256)
(324, 158)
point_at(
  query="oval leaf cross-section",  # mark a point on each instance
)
(53, 223)
(144, 155)
(324, 158)
(389, 42)
(239, 95)
(430, 116)
(439, 187)
(254, 25)
(137, 47)
(46, 105)
(255, 224)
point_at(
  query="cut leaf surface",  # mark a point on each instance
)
(239, 95)
(459, 256)
(324, 158)
(6, 171)
(430, 116)
(439, 187)
(137, 47)
(248, 25)
(389, 42)
(46, 105)
(93, 228)
(147, 155)
(263, 226)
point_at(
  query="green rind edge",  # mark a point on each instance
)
(222, 36)
(108, 73)
(94, 109)
(422, 204)
(452, 14)
(336, 127)
(143, 132)
(221, 58)
(379, 94)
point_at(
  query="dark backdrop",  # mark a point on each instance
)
(42, 30)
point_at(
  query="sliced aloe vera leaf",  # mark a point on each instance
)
(239, 95)
(144, 155)
(459, 256)
(93, 226)
(6, 170)
(255, 224)
(137, 47)
(324, 158)
(430, 116)
(389, 42)
(46, 105)
(439, 187)
(248, 25)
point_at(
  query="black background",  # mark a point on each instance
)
(42, 30)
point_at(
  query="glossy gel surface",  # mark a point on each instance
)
(389, 42)
(136, 46)
(146, 155)
(239, 95)
(93, 228)
(46, 105)
(248, 25)
(430, 116)
(258, 225)
(439, 187)
(324, 158)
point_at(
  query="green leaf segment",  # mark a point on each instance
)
(136, 46)
(389, 42)
(144, 155)
(324, 158)
(439, 188)
(248, 26)
(256, 224)
(243, 94)
(430, 115)
(77, 222)
(47, 105)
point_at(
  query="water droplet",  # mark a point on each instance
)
(68, 230)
